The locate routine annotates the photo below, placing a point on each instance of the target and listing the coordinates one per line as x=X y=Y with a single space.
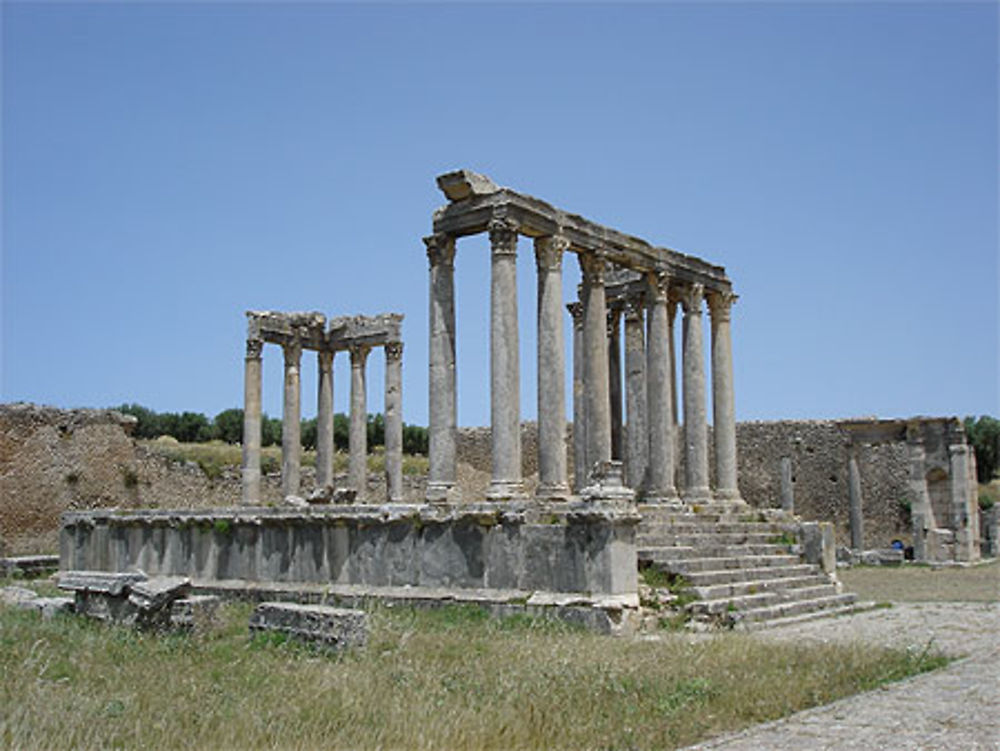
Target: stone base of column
x=697 y=495
x=606 y=483
x=665 y=500
x=552 y=493
x=443 y=493
x=505 y=490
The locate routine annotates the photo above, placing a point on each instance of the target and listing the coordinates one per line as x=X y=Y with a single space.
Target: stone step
x=722 y=563
x=791 y=620
x=747 y=575
x=739 y=589
x=697 y=539
x=702 y=528
x=761 y=599
x=710 y=550
x=818 y=605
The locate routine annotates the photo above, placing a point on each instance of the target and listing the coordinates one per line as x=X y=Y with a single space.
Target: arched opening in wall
x=939 y=490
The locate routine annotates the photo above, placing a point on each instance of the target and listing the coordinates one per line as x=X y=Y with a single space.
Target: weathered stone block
x=335 y=628
x=131 y=599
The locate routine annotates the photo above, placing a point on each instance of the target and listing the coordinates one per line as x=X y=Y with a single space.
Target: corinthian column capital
x=503 y=236
x=255 y=348
x=720 y=303
x=394 y=351
x=549 y=251
x=691 y=297
x=658 y=287
x=593 y=265
x=293 y=351
x=359 y=354
x=440 y=250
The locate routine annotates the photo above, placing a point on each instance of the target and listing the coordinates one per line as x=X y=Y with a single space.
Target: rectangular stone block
x=335 y=628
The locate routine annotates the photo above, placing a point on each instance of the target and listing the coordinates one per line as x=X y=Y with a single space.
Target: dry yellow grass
x=916 y=583
x=444 y=679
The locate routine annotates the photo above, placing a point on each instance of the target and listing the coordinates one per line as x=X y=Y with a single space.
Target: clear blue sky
x=168 y=166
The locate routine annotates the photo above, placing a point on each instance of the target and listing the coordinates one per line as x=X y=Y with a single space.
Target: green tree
x=148 y=422
x=190 y=426
x=270 y=431
x=984 y=435
x=229 y=425
x=307 y=433
x=341 y=432
x=376 y=430
x=414 y=439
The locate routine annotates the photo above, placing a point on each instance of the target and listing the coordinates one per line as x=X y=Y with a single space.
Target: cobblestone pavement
x=953 y=709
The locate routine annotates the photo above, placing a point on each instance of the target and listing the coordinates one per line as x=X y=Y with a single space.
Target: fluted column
x=394 y=421
x=324 y=420
x=636 y=433
x=579 y=401
x=551 y=369
x=723 y=410
x=442 y=403
x=291 y=425
x=615 y=379
x=660 y=418
x=357 y=463
x=595 y=345
x=695 y=425
x=505 y=377
x=251 y=421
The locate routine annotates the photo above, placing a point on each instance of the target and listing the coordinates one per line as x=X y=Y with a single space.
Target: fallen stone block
x=334 y=628
x=130 y=599
x=16 y=595
x=194 y=612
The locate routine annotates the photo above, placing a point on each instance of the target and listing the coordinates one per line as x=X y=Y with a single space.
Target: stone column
x=579 y=401
x=787 y=487
x=615 y=379
x=723 y=410
x=324 y=420
x=551 y=369
x=251 y=421
x=962 y=504
x=442 y=407
x=695 y=425
x=672 y=352
x=854 y=490
x=291 y=426
x=595 y=364
x=357 y=463
x=505 y=376
x=921 y=513
x=659 y=410
x=394 y=421
x=637 y=433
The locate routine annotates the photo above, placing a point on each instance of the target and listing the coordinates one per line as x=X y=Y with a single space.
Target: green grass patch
x=439 y=678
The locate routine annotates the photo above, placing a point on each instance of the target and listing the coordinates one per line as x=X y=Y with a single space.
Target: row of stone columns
x=291 y=445
x=651 y=397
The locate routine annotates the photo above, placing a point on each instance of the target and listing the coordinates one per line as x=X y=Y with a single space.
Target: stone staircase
x=735 y=567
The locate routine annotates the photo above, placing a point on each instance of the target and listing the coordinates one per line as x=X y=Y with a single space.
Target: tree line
x=227 y=426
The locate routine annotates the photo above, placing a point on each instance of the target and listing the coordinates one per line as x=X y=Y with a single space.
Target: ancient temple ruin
x=621 y=274
x=294 y=332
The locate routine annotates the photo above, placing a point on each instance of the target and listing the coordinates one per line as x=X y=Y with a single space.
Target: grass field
x=916 y=583
x=435 y=679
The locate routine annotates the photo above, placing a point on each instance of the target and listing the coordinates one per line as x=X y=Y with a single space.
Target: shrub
x=984 y=435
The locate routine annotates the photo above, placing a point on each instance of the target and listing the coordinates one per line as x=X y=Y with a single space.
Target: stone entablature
x=608 y=260
x=294 y=332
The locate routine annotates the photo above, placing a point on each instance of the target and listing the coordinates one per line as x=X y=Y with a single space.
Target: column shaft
x=660 y=419
x=787 y=487
x=636 y=432
x=324 y=420
x=595 y=340
x=442 y=406
x=252 y=422
x=615 y=380
x=854 y=491
x=394 y=421
x=357 y=464
x=291 y=426
x=505 y=378
x=921 y=514
x=723 y=409
x=579 y=401
x=551 y=369
x=695 y=425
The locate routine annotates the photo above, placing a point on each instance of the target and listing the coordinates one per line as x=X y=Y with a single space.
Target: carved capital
x=254 y=348
x=549 y=252
x=503 y=236
x=658 y=287
x=634 y=305
x=359 y=354
x=293 y=352
x=394 y=351
x=440 y=250
x=614 y=317
x=720 y=304
x=691 y=297
x=576 y=310
x=325 y=358
x=593 y=265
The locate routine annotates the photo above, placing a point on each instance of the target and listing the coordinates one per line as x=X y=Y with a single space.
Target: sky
x=168 y=166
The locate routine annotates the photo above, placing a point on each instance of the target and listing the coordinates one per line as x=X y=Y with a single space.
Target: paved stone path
x=953 y=709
